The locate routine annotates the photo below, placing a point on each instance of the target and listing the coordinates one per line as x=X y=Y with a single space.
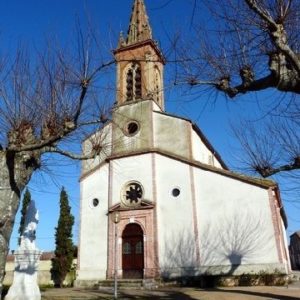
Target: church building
x=161 y=202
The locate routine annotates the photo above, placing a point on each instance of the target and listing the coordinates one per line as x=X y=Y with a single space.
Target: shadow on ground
x=122 y=295
x=255 y=293
x=261 y=294
x=145 y=295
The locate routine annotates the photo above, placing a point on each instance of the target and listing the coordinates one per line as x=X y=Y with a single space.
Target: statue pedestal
x=25 y=285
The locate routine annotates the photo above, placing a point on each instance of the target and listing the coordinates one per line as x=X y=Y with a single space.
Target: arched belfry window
x=138 y=83
x=129 y=85
x=157 y=85
x=133 y=82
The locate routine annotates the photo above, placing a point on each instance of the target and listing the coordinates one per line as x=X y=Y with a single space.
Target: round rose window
x=132 y=194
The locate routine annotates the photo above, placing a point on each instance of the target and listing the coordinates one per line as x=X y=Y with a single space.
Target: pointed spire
x=139 y=27
x=121 y=42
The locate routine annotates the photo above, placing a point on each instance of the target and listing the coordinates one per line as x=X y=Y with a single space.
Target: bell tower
x=140 y=63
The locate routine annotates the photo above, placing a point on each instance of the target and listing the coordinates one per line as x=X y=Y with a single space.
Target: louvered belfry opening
x=129 y=85
x=134 y=83
x=138 y=83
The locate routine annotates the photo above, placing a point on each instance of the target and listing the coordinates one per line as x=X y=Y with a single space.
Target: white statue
x=27 y=257
x=30 y=225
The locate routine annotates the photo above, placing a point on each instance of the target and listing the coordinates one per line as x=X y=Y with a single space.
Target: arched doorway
x=133 y=251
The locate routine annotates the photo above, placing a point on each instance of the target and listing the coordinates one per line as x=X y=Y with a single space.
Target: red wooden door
x=133 y=251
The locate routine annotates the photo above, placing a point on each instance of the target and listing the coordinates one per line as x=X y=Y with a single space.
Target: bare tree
x=249 y=46
x=46 y=102
x=273 y=147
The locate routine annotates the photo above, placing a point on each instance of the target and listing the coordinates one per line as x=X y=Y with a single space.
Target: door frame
x=145 y=219
x=133 y=263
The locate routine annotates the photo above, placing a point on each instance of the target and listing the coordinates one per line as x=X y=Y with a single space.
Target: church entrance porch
x=133 y=251
x=137 y=255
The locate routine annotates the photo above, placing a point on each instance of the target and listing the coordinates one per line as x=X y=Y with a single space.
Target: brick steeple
x=139 y=28
x=139 y=61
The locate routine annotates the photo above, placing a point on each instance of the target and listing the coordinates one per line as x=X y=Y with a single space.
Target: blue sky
x=31 y=20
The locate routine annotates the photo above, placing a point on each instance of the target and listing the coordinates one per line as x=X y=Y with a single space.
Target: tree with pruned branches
x=47 y=101
x=251 y=46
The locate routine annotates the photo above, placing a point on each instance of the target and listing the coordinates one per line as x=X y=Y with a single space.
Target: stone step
x=295 y=279
x=122 y=283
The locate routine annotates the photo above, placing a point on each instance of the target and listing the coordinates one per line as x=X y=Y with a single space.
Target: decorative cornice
x=145 y=204
x=152 y=43
x=264 y=183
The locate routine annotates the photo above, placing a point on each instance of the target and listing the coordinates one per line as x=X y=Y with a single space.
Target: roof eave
x=140 y=44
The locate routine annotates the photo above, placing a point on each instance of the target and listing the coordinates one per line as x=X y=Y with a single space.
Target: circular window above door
x=132 y=194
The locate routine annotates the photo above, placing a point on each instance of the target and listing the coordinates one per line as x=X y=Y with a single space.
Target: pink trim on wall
x=151 y=125
x=274 y=210
x=109 y=223
x=280 y=206
x=110 y=183
x=109 y=198
x=79 y=239
x=278 y=217
x=195 y=216
x=284 y=249
x=189 y=129
x=194 y=204
x=155 y=222
x=113 y=128
x=110 y=250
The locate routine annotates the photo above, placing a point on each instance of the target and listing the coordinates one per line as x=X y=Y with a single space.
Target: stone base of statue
x=25 y=285
x=27 y=259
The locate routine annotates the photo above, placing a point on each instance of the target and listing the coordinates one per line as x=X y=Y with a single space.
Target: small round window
x=175 y=192
x=95 y=202
x=132 y=128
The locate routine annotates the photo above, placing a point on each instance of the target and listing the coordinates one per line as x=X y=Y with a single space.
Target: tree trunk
x=9 y=203
x=14 y=175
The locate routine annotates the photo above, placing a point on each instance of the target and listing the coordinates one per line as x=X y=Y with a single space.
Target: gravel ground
x=291 y=292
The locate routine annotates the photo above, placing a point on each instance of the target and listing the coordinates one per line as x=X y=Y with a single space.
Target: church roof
x=261 y=182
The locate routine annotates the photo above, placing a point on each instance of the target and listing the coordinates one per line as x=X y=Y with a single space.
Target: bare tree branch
x=91 y=155
x=47 y=99
x=271 y=149
x=252 y=46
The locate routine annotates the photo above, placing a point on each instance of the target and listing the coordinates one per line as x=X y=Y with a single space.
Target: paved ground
x=291 y=292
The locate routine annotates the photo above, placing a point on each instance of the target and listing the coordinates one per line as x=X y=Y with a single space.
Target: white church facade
x=180 y=211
